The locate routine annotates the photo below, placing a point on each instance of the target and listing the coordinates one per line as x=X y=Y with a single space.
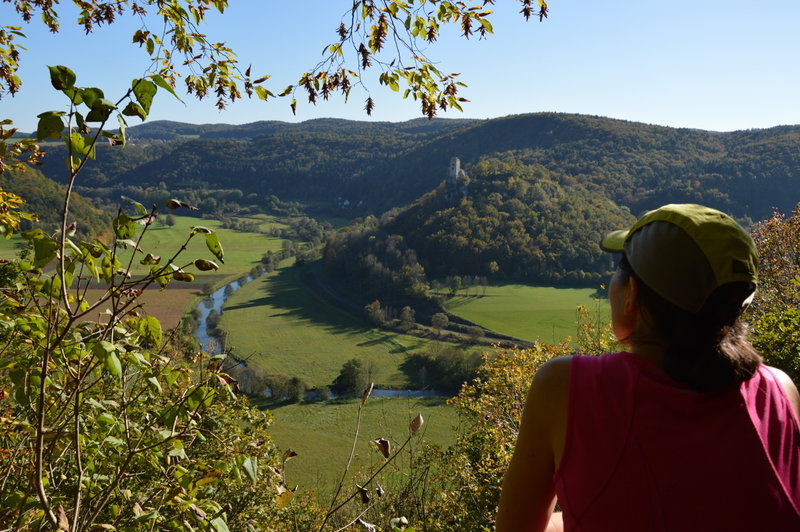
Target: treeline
x=359 y=168
x=317 y=160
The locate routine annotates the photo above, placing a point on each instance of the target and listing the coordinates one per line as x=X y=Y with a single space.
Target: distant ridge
x=381 y=165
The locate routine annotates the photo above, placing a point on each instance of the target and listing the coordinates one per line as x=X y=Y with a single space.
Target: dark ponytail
x=708 y=350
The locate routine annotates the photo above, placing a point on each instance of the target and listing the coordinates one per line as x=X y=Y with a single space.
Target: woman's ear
x=631 y=303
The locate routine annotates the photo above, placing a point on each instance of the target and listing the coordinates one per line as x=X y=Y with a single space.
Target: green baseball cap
x=683 y=252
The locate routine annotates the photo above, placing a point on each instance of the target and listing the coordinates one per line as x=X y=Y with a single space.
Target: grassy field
x=322 y=434
x=527 y=312
x=242 y=250
x=8 y=248
x=168 y=305
x=282 y=326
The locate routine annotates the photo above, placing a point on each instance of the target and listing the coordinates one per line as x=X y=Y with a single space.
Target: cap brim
x=614 y=241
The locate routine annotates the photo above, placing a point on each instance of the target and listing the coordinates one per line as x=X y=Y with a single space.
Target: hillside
x=373 y=167
x=504 y=221
x=46 y=199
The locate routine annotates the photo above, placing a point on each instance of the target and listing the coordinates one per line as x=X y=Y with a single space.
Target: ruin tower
x=457 y=182
x=455 y=170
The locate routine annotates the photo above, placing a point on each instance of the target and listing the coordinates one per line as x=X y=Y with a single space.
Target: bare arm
x=790 y=389
x=528 y=496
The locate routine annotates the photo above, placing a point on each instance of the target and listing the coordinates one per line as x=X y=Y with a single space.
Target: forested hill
x=640 y=166
x=45 y=198
x=384 y=165
x=506 y=220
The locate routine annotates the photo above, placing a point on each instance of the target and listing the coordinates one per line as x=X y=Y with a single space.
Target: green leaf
x=61 y=77
x=145 y=91
x=139 y=207
x=50 y=126
x=44 y=251
x=113 y=365
x=124 y=227
x=155 y=383
x=201 y=229
x=134 y=109
x=91 y=95
x=250 y=466
x=220 y=525
x=105 y=419
x=122 y=127
x=74 y=95
x=101 y=110
x=162 y=277
x=150 y=329
x=212 y=241
x=80 y=145
x=107 y=353
x=262 y=93
x=164 y=84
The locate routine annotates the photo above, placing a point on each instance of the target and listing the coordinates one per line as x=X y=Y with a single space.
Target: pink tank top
x=643 y=453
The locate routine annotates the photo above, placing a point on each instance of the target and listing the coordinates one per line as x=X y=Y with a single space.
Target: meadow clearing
x=322 y=435
x=282 y=325
x=526 y=312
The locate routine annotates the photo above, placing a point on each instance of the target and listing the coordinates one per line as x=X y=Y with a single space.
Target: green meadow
x=266 y=222
x=9 y=247
x=322 y=435
x=282 y=325
x=527 y=312
x=242 y=250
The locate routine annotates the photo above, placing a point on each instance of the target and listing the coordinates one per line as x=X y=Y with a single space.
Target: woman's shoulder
x=789 y=387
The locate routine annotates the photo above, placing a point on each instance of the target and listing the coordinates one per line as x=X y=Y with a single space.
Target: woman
x=688 y=430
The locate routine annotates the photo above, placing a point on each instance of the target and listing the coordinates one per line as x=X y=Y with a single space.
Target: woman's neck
x=651 y=351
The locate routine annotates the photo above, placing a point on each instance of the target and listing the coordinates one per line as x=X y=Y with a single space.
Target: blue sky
x=709 y=64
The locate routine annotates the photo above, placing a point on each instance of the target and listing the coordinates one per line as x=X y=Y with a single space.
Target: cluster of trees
x=516 y=222
x=374 y=263
x=774 y=315
x=441 y=367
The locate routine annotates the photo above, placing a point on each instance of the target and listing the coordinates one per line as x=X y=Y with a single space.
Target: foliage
x=776 y=335
x=468 y=475
x=46 y=198
x=352 y=379
x=102 y=424
x=439 y=321
x=442 y=368
x=595 y=335
x=11 y=217
x=169 y=34
x=774 y=315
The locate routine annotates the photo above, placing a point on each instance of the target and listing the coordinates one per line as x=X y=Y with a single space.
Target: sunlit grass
x=322 y=435
x=526 y=312
x=282 y=325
